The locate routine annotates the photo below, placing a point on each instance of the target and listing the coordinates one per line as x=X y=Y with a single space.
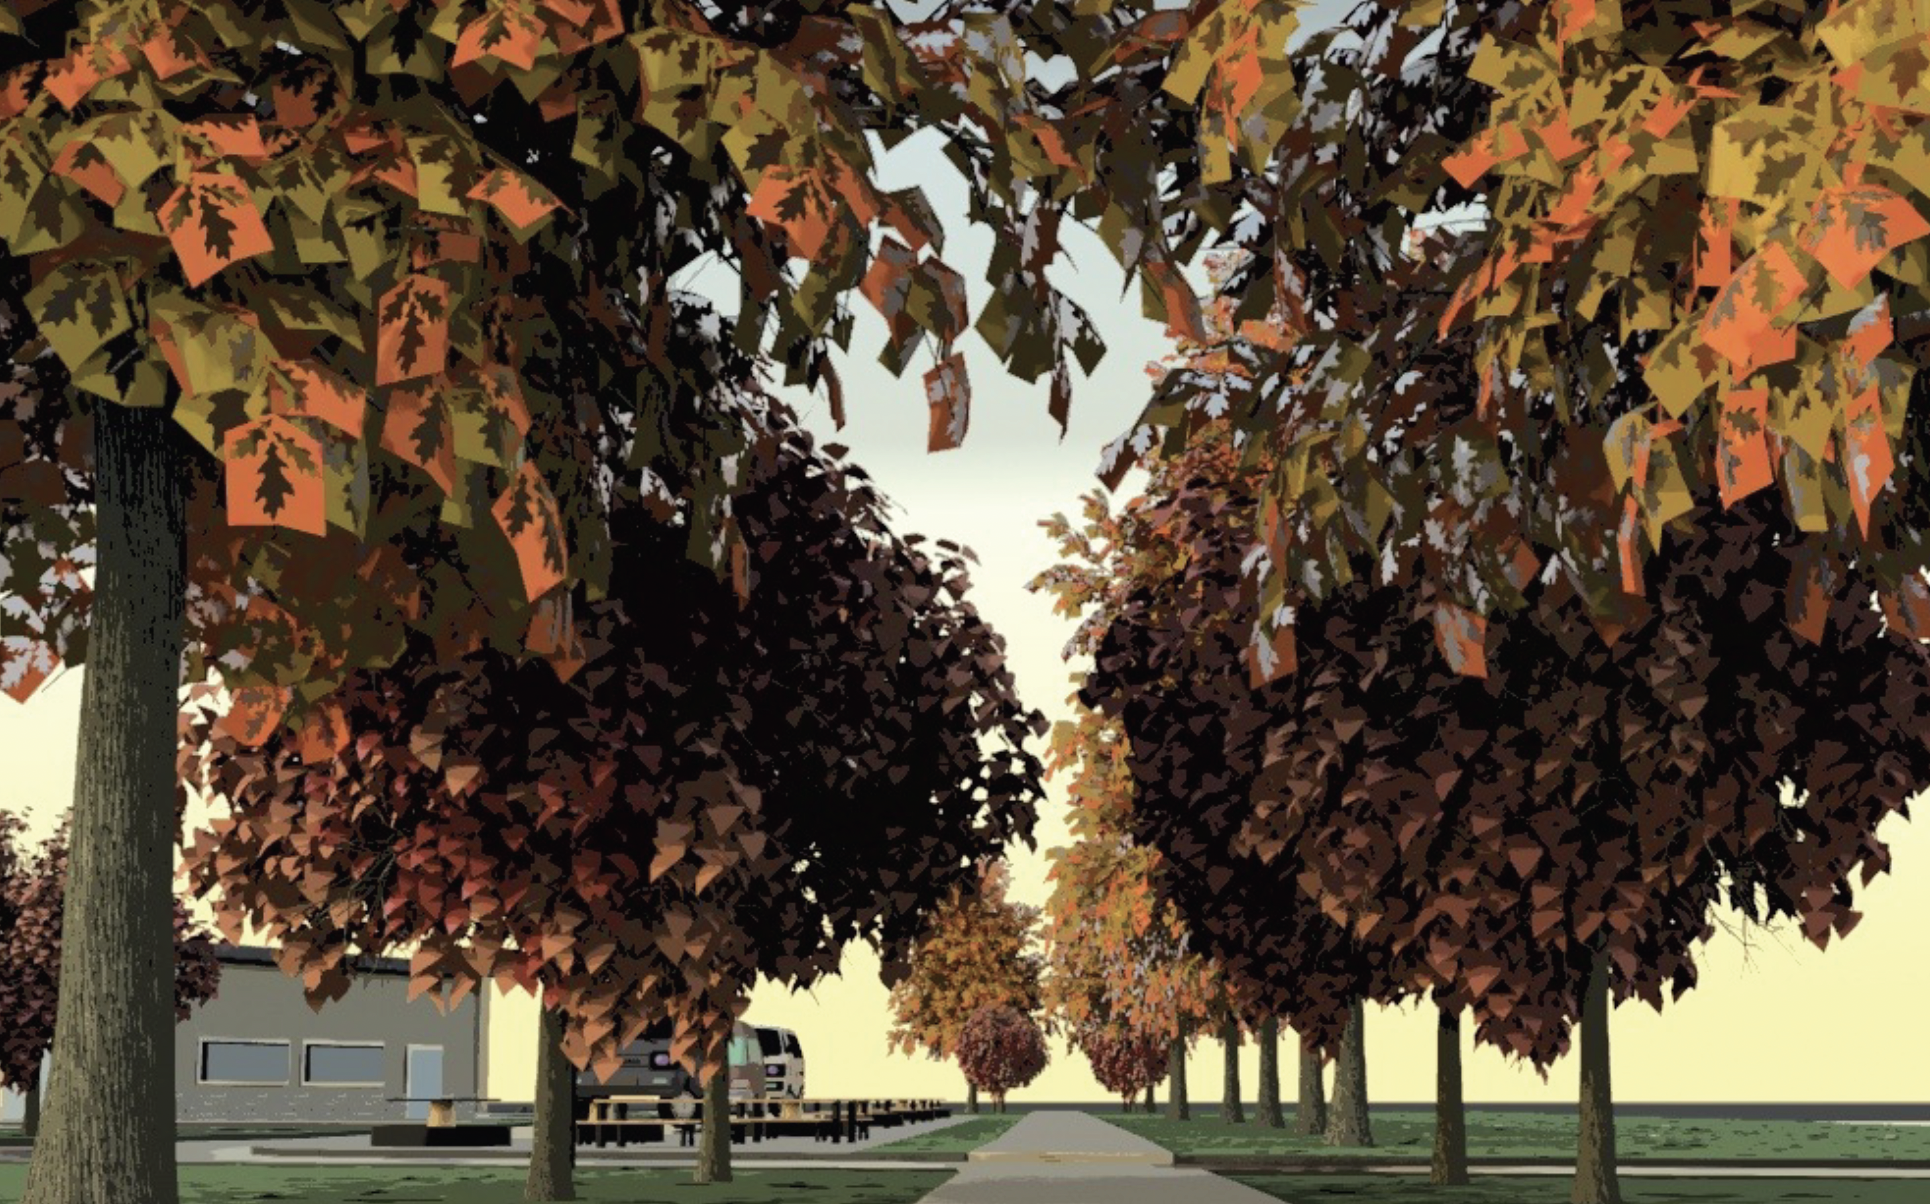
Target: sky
x=1774 y=1019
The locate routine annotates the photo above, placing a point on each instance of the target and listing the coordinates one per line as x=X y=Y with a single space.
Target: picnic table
x=440 y=1129
x=442 y=1108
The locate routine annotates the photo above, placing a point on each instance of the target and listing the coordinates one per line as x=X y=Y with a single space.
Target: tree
x=277 y=232
x=1447 y=803
x=1268 y=1109
x=975 y=953
x=661 y=829
x=1001 y=1049
x=1124 y=1064
x=32 y=914
x=1116 y=958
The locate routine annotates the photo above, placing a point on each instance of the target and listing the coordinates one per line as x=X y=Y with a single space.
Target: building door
x=422 y=1080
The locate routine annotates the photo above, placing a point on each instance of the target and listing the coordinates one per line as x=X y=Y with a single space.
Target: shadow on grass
x=1554 y=1189
x=234 y=1184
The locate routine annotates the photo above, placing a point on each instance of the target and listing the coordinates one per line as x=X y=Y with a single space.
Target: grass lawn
x=492 y=1185
x=961 y=1138
x=1553 y=1189
x=1404 y=1135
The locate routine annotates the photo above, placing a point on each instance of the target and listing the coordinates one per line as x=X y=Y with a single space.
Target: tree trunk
x=1230 y=1110
x=971 y=1097
x=553 y=1138
x=713 y=1138
x=1176 y=1108
x=1347 y=1120
x=1269 y=1111
x=30 y=1114
x=109 y=1125
x=1450 y=1114
x=1595 y=1179
x=1149 y=1099
x=1311 y=1119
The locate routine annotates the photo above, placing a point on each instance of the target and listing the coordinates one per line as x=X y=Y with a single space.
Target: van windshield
x=770 y=1042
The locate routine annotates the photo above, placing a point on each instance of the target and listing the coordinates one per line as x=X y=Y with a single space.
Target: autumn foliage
x=721 y=790
x=1126 y=1064
x=32 y=904
x=1000 y=1050
x=974 y=952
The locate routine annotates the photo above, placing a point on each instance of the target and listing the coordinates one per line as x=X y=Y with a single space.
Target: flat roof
x=261 y=955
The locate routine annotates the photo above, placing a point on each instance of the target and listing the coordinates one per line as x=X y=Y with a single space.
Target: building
x=258 y=1054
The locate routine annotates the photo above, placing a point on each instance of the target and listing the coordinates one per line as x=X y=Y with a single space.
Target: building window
x=244 y=1063
x=327 y=1064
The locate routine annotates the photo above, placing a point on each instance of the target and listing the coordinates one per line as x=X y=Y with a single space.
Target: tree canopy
x=974 y=952
x=33 y=900
x=696 y=806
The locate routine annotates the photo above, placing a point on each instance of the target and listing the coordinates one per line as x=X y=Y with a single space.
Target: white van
x=783 y=1060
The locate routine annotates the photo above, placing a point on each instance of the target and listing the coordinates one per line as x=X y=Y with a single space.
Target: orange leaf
x=1762 y=287
x=236 y=137
x=82 y=162
x=325 y=732
x=1461 y=636
x=166 y=54
x=412 y=331
x=1667 y=114
x=1715 y=251
x=300 y=388
x=1851 y=229
x=528 y=515
x=1871 y=331
x=1468 y=166
x=1868 y=461
x=793 y=201
x=212 y=222
x=949 y=390
x=1625 y=534
x=255 y=713
x=72 y=78
x=1742 y=451
x=274 y=476
x=509 y=34
x=416 y=428
x=523 y=202
x=1559 y=140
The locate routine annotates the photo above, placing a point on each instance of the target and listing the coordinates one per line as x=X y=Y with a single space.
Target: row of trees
x=1521 y=821
x=287 y=301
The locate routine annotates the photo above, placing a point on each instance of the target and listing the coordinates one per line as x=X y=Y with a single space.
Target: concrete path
x=1073 y=1158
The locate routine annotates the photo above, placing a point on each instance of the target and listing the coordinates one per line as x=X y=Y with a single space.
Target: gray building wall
x=256 y=1001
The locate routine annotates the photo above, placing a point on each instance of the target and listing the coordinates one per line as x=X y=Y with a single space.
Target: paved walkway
x=1073 y=1158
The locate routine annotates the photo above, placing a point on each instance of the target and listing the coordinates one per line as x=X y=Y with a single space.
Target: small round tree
x=1001 y=1049
x=1126 y=1063
x=33 y=898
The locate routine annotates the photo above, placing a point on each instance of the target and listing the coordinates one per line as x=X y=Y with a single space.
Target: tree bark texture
x=1311 y=1118
x=1230 y=1110
x=108 y=1132
x=1347 y=1122
x=1450 y=1113
x=1595 y=1177
x=971 y=1097
x=1269 y=1107
x=552 y=1144
x=713 y=1139
x=1176 y=1106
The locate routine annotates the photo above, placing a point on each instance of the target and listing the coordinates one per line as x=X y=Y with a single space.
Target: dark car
x=649 y=1070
